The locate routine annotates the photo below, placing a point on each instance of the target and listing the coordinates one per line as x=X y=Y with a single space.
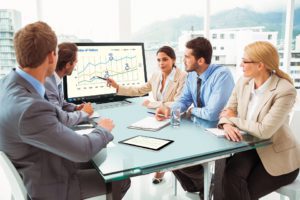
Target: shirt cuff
x=196 y=112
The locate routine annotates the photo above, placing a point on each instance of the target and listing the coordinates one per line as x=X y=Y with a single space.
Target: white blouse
x=255 y=98
x=161 y=95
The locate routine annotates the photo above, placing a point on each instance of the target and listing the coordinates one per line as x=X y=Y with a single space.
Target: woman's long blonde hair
x=266 y=53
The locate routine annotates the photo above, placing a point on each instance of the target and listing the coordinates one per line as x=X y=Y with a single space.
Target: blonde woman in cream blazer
x=260 y=105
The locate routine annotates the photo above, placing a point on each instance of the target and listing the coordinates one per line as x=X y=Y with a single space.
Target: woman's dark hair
x=169 y=51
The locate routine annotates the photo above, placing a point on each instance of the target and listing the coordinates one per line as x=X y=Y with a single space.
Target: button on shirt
x=216 y=88
x=256 y=97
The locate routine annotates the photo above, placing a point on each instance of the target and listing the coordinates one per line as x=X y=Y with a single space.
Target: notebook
x=149 y=124
x=220 y=132
x=88 y=131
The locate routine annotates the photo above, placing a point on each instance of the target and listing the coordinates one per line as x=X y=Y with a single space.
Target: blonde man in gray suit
x=71 y=114
x=260 y=105
x=45 y=151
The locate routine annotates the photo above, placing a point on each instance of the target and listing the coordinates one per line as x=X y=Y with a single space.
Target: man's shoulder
x=217 y=69
x=50 y=79
x=20 y=96
x=50 y=82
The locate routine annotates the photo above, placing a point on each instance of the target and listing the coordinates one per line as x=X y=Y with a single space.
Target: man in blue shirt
x=208 y=87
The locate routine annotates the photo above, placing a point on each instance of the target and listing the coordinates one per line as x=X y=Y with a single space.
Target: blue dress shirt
x=216 y=88
x=38 y=86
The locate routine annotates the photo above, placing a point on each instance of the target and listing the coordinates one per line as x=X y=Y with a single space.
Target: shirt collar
x=38 y=86
x=263 y=87
x=58 y=80
x=171 y=76
x=204 y=76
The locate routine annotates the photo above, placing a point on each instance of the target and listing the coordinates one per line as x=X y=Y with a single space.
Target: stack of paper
x=84 y=131
x=149 y=124
x=220 y=132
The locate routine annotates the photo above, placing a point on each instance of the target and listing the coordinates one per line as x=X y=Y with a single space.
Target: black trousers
x=245 y=178
x=192 y=179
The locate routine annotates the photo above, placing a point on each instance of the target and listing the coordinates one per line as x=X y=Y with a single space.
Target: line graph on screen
x=124 y=64
x=121 y=69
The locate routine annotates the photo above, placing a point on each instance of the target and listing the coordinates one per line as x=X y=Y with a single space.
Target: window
x=167 y=22
x=235 y=21
x=173 y=23
x=295 y=55
x=269 y=37
x=295 y=63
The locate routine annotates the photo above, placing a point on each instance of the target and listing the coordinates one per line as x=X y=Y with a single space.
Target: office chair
x=292 y=190
x=18 y=189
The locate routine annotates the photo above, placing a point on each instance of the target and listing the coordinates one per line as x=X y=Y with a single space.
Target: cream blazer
x=172 y=94
x=272 y=121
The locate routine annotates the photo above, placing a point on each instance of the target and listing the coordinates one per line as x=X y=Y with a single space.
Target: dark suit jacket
x=43 y=150
x=69 y=116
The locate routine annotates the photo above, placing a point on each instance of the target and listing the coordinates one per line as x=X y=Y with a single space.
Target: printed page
x=87 y=131
x=84 y=131
x=149 y=123
x=220 y=132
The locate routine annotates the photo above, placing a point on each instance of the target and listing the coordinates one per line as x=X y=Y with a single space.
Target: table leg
x=109 y=191
x=207 y=177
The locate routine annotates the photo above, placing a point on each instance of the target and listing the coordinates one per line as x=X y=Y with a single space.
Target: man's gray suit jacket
x=43 y=150
x=70 y=116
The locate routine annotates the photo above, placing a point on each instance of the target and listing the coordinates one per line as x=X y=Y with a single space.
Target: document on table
x=95 y=115
x=147 y=142
x=89 y=130
x=220 y=132
x=149 y=124
x=84 y=131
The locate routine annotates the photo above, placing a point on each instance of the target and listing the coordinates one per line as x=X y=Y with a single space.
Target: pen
x=161 y=115
x=153 y=113
x=100 y=78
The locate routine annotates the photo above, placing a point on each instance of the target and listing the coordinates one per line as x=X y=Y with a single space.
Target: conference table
x=192 y=145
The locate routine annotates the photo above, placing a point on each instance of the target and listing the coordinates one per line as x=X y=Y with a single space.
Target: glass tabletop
x=191 y=143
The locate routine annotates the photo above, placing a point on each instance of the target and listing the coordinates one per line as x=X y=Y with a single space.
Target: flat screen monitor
x=123 y=62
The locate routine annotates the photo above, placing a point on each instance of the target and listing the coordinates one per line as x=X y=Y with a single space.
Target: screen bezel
x=104 y=97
